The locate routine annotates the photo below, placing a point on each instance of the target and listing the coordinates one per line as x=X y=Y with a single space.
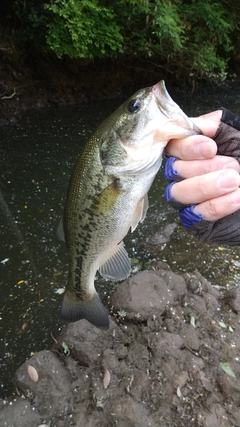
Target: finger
x=217 y=208
x=208 y=123
x=189 y=169
x=194 y=147
x=202 y=188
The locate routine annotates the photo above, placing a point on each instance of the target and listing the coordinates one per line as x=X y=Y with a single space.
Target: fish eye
x=134 y=105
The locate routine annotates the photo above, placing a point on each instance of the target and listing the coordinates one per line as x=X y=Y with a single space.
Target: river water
x=36 y=156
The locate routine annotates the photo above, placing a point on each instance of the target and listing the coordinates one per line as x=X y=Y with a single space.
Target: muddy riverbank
x=170 y=358
x=35 y=81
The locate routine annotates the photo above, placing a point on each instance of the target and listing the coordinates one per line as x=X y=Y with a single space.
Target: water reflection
x=37 y=157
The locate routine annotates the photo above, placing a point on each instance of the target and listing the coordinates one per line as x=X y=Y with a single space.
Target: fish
x=108 y=195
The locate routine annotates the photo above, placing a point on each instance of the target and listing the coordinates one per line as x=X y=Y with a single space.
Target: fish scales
x=107 y=194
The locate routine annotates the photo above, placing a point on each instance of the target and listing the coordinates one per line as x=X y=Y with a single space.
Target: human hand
x=210 y=182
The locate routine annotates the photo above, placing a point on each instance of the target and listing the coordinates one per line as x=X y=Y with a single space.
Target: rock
x=19 y=413
x=229 y=386
x=234 y=302
x=198 y=284
x=189 y=337
x=215 y=416
x=139 y=356
x=52 y=386
x=181 y=380
x=128 y=413
x=142 y=296
x=86 y=342
x=163 y=235
x=174 y=282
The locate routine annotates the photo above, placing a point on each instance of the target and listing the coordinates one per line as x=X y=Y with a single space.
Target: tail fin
x=92 y=310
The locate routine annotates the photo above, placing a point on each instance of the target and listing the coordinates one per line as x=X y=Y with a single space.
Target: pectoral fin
x=118 y=266
x=60 y=231
x=74 y=309
x=140 y=212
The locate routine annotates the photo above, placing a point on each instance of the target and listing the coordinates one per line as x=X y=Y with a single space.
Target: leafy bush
x=194 y=35
x=83 y=29
x=189 y=37
x=208 y=37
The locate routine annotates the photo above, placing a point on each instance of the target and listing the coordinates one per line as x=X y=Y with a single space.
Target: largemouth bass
x=107 y=194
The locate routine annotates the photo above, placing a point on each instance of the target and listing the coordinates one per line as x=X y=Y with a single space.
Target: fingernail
x=228 y=180
x=206 y=149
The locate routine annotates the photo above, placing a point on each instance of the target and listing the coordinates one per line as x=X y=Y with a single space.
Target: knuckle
x=213 y=209
x=203 y=188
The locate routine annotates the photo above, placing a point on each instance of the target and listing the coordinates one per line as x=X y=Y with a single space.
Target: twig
x=10 y=96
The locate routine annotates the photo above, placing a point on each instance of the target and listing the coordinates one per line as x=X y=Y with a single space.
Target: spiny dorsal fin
x=118 y=266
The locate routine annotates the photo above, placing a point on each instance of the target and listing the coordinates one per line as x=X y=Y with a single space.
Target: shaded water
x=36 y=158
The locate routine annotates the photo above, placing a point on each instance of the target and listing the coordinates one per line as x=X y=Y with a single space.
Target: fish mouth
x=165 y=102
x=160 y=89
x=195 y=128
x=169 y=108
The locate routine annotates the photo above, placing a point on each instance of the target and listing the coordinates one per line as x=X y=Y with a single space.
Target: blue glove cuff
x=170 y=199
x=169 y=172
x=189 y=218
x=167 y=192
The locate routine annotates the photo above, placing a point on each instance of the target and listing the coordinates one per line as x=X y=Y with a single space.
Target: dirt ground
x=170 y=358
x=35 y=81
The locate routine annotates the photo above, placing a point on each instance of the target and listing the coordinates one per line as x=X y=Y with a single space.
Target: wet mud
x=170 y=358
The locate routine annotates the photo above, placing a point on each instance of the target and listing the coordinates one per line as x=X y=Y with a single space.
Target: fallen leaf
x=106 y=378
x=4 y=260
x=20 y=282
x=222 y=325
x=24 y=326
x=33 y=374
x=179 y=393
x=134 y=261
x=59 y=291
x=226 y=368
x=192 y=321
x=66 y=350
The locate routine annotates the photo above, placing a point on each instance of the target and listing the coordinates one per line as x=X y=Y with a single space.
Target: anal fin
x=118 y=266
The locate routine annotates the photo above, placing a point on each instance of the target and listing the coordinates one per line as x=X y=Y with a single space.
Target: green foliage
x=209 y=27
x=84 y=29
x=196 y=38
x=29 y=19
x=168 y=25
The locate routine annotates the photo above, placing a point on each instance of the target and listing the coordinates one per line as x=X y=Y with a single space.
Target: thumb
x=208 y=123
